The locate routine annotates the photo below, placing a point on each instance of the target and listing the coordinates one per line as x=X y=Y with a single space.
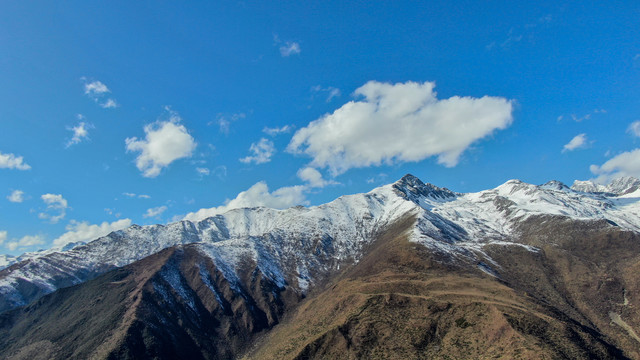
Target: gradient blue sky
x=193 y=87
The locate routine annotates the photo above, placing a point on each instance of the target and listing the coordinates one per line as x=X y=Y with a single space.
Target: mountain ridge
x=524 y=237
x=489 y=215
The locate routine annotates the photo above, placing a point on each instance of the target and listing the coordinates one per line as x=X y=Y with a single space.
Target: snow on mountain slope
x=468 y=222
x=306 y=240
x=619 y=186
x=296 y=246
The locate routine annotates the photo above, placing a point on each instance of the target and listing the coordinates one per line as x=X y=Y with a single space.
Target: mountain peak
x=409 y=179
x=555 y=185
x=624 y=185
x=411 y=188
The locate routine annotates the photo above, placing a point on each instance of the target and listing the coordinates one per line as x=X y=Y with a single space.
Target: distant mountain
x=619 y=186
x=409 y=268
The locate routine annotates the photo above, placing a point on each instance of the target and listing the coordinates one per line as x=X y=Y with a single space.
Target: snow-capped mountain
x=298 y=246
x=516 y=271
x=619 y=186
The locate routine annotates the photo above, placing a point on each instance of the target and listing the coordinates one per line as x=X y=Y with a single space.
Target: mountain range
x=407 y=270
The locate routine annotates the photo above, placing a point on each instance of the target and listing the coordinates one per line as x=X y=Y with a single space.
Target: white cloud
x=262 y=151
x=10 y=161
x=95 y=88
x=83 y=231
x=203 y=171
x=29 y=240
x=16 y=196
x=165 y=142
x=290 y=48
x=578 y=142
x=399 y=123
x=277 y=131
x=80 y=132
x=97 y=91
x=155 y=212
x=625 y=164
x=256 y=195
x=3 y=236
x=634 y=128
x=109 y=104
x=56 y=208
x=314 y=178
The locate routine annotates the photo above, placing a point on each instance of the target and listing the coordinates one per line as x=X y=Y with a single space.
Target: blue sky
x=123 y=112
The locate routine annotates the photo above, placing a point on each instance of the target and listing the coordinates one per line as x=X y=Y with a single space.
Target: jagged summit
x=555 y=185
x=619 y=186
x=624 y=185
x=410 y=188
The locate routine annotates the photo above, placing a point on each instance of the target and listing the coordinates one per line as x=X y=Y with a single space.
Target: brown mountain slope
x=162 y=307
x=403 y=302
x=588 y=270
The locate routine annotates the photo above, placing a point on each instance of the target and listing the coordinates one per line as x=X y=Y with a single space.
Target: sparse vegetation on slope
x=401 y=302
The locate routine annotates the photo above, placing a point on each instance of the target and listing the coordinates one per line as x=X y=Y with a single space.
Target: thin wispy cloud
x=290 y=48
x=520 y=33
x=287 y=48
x=634 y=128
x=109 y=104
x=98 y=92
x=581 y=118
x=203 y=171
x=224 y=121
x=134 y=195
x=379 y=178
x=220 y=172
x=277 y=130
x=330 y=92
